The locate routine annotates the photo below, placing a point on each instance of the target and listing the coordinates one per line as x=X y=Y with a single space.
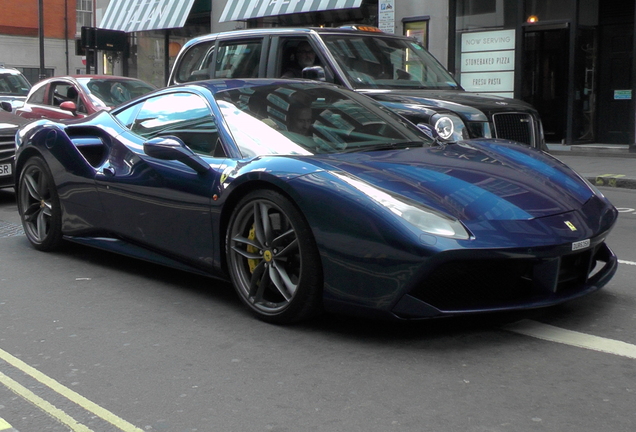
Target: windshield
x=109 y=92
x=302 y=118
x=388 y=63
x=13 y=84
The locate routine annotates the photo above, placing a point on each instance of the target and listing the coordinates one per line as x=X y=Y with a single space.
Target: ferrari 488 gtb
x=310 y=197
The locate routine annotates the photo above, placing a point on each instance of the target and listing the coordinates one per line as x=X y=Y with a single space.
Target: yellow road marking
x=40 y=403
x=4 y=425
x=69 y=394
x=568 y=337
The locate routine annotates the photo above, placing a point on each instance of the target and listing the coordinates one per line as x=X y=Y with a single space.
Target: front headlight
x=420 y=217
x=449 y=127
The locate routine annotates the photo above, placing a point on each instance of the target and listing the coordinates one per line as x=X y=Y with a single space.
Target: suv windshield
x=388 y=63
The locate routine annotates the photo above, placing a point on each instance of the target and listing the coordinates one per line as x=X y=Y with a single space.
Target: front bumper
x=491 y=284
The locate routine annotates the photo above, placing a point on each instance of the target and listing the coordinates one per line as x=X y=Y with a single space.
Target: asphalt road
x=91 y=341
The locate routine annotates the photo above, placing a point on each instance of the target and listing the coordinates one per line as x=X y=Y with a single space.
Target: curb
x=613 y=180
x=594 y=152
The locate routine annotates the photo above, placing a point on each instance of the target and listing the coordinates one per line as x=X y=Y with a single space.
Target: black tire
x=273 y=259
x=39 y=205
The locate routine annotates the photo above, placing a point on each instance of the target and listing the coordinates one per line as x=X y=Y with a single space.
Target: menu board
x=488 y=62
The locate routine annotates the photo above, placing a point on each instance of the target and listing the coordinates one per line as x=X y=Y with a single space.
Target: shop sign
x=488 y=62
x=498 y=82
x=622 y=94
x=488 y=41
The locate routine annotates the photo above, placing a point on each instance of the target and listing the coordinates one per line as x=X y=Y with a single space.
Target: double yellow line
x=49 y=408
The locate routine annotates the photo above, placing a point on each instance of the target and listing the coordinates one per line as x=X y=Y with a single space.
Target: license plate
x=5 y=170
x=580 y=244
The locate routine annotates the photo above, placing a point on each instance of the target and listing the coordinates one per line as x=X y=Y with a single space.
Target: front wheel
x=273 y=259
x=39 y=205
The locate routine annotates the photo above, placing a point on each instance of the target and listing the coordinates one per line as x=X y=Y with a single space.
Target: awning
x=141 y=15
x=238 y=10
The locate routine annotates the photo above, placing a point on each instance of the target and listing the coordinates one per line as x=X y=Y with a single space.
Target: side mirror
x=7 y=106
x=69 y=106
x=316 y=73
x=172 y=148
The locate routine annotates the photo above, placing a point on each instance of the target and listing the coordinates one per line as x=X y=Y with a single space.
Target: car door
x=48 y=106
x=164 y=204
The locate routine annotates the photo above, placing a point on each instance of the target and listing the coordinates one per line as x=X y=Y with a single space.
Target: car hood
x=471 y=106
x=472 y=181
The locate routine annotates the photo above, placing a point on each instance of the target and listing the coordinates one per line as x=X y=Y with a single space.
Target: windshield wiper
x=383 y=146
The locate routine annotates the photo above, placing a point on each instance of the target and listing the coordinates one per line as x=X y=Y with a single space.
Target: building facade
x=572 y=60
x=20 y=37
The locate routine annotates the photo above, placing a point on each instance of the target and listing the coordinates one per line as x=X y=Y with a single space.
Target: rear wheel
x=39 y=205
x=273 y=259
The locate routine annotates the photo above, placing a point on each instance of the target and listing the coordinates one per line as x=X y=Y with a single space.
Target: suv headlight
x=449 y=127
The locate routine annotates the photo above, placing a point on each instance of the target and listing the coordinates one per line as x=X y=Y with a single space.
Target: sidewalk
x=602 y=164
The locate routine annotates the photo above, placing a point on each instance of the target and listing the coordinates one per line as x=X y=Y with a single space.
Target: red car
x=77 y=96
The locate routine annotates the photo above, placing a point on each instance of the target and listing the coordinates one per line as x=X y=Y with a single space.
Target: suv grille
x=7 y=144
x=514 y=126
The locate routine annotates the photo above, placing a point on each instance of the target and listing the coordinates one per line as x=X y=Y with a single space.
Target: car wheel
x=273 y=259
x=39 y=205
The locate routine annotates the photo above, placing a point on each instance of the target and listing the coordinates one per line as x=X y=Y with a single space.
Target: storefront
x=572 y=60
x=157 y=31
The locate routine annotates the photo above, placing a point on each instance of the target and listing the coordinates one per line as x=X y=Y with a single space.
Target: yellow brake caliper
x=252 y=249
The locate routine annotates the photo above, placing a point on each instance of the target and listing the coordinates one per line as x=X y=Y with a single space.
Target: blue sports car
x=309 y=197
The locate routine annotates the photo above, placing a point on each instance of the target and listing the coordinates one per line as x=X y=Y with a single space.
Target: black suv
x=395 y=70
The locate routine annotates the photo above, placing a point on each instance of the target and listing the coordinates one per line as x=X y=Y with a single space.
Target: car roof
x=292 y=30
x=10 y=70
x=102 y=77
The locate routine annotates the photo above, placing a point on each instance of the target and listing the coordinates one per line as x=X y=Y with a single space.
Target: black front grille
x=514 y=126
x=7 y=146
x=465 y=285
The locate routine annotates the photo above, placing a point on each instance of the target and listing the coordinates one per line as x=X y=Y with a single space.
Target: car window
x=195 y=63
x=295 y=54
x=112 y=91
x=61 y=91
x=238 y=59
x=37 y=97
x=184 y=115
x=302 y=120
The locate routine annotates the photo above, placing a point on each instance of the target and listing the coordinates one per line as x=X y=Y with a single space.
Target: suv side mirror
x=316 y=73
x=7 y=106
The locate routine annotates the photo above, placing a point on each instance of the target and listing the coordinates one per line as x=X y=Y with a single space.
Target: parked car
x=14 y=88
x=9 y=124
x=70 y=97
x=395 y=70
x=357 y=211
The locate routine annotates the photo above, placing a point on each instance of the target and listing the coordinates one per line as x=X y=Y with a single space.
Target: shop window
x=418 y=29
x=482 y=14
